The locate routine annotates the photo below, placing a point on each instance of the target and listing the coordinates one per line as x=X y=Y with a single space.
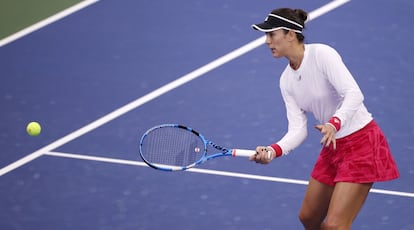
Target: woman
x=355 y=152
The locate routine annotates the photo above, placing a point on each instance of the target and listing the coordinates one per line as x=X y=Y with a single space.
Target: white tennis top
x=323 y=86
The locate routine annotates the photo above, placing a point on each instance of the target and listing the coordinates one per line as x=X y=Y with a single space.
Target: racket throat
x=223 y=150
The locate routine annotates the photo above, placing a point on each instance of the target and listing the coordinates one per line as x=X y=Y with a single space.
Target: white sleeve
x=343 y=82
x=297 y=128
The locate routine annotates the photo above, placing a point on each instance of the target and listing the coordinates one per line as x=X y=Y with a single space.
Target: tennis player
x=355 y=153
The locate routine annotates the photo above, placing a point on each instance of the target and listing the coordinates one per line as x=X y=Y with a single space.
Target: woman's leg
x=340 y=204
x=347 y=200
x=315 y=204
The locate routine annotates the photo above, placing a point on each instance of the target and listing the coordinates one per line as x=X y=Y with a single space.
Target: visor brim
x=264 y=27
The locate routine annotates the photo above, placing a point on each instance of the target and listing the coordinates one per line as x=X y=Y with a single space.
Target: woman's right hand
x=264 y=155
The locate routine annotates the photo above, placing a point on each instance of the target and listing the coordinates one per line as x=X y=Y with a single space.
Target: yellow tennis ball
x=33 y=128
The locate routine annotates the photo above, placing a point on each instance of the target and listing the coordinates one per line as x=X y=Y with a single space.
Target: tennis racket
x=172 y=147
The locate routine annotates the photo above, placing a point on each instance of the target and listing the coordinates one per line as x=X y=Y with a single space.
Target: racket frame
x=204 y=157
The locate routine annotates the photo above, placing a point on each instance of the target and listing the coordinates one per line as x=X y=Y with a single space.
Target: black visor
x=275 y=22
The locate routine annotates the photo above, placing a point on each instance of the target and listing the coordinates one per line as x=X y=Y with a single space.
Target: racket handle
x=242 y=152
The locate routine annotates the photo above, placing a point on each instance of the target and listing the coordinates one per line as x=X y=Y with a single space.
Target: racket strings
x=172 y=146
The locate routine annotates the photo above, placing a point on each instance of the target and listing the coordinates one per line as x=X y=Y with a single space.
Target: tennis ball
x=33 y=128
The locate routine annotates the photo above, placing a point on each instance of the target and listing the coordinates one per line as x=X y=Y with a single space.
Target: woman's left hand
x=328 y=132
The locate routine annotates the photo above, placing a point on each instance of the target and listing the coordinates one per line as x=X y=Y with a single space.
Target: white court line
x=46 y=22
x=158 y=92
x=213 y=172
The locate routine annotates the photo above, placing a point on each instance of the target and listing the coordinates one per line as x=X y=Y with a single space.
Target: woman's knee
x=310 y=220
x=335 y=225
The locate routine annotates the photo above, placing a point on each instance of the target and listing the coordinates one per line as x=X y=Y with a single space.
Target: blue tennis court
x=99 y=77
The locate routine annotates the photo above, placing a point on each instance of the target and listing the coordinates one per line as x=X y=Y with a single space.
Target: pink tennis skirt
x=362 y=157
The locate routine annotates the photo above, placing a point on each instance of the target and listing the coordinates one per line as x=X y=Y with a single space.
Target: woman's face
x=278 y=43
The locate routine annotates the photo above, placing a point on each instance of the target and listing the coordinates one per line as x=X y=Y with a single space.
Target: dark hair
x=296 y=15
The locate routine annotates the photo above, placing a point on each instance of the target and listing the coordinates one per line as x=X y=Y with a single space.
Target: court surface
x=100 y=76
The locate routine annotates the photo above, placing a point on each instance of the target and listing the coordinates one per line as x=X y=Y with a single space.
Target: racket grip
x=242 y=152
